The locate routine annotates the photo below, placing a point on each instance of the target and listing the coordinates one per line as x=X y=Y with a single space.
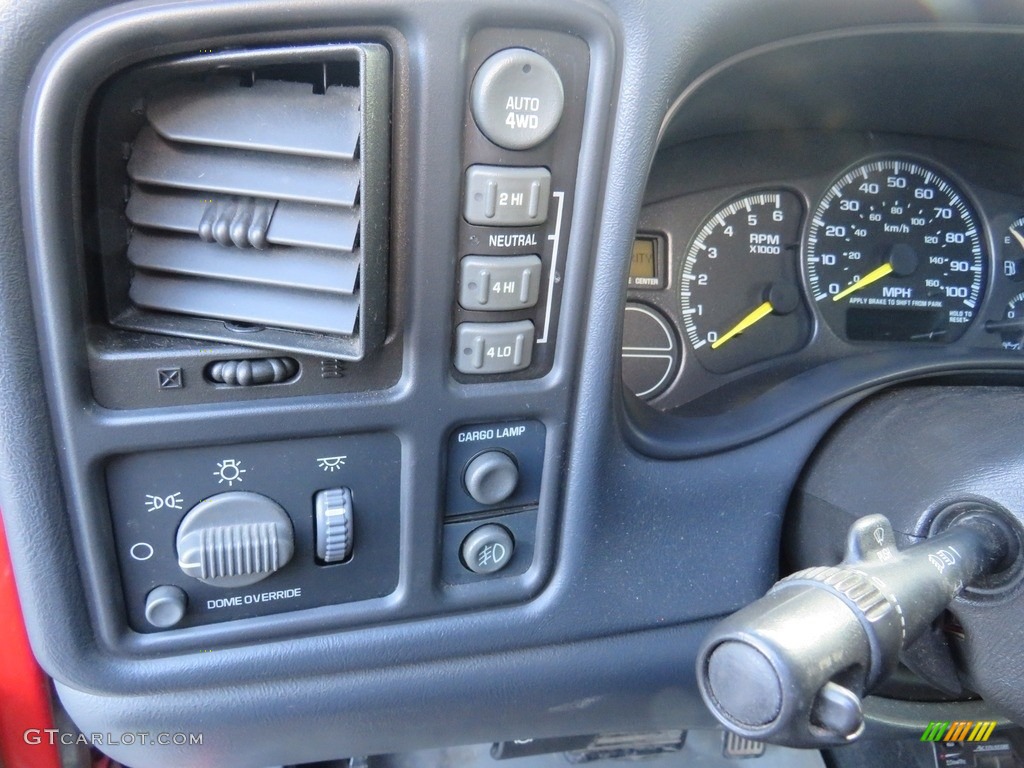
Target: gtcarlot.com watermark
x=56 y=737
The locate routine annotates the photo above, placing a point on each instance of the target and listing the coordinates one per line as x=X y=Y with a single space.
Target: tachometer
x=739 y=292
x=894 y=253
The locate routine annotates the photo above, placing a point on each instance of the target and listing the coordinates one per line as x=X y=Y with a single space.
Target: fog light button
x=487 y=549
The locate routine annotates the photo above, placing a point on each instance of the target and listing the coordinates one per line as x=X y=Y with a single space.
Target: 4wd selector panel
x=521 y=147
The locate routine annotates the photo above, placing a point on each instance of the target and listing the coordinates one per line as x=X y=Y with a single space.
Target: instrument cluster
x=868 y=244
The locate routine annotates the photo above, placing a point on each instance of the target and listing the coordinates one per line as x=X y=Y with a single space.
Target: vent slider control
x=255 y=372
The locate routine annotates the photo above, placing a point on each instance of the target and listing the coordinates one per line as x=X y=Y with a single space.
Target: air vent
x=258 y=201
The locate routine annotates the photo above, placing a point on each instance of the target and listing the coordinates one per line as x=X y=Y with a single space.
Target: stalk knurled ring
x=853 y=585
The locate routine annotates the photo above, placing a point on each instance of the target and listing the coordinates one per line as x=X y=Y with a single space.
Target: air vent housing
x=257 y=200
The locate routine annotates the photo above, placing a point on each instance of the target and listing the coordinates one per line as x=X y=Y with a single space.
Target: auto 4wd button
x=517 y=98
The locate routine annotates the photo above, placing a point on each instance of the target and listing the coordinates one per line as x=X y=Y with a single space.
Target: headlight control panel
x=211 y=534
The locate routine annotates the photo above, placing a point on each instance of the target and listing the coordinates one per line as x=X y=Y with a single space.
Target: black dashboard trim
x=670 y=437
x=99 y=653
x=665 y=133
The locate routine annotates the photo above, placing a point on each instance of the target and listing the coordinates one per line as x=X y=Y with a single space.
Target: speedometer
x=894 y=253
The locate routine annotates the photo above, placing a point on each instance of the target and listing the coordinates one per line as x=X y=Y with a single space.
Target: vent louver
x=258 y=201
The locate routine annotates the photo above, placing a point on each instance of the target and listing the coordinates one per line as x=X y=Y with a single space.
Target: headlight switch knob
x=234 y=539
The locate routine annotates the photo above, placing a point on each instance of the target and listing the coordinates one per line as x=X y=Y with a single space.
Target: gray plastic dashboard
x=647 y=525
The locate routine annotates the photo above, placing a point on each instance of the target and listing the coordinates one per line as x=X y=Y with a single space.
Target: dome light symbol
x=331 y=463
x=229 y=471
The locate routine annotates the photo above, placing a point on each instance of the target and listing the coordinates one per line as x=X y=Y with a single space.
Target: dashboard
x=386 y=376
x=837 y=245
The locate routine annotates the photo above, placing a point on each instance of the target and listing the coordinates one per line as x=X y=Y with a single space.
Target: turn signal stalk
x=791 y=668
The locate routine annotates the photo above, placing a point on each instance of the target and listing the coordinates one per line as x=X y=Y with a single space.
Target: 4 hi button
x=517 y=98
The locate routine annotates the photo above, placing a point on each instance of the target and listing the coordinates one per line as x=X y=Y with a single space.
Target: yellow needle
x=1018 y=236
x=758 y=314
x=864 y=282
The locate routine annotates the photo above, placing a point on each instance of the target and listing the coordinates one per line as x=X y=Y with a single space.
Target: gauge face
x=650 y=353
x=1011 y=328
x=740 y=294
x=1013 y=251
x=894 y=253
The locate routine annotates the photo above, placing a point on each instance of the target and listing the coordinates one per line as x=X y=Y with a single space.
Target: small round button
x=491 y=477
x=517 y=98
x=165 y=606
x=488 y=549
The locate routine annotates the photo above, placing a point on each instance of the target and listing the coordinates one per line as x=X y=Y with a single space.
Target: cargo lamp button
x=491 y=477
